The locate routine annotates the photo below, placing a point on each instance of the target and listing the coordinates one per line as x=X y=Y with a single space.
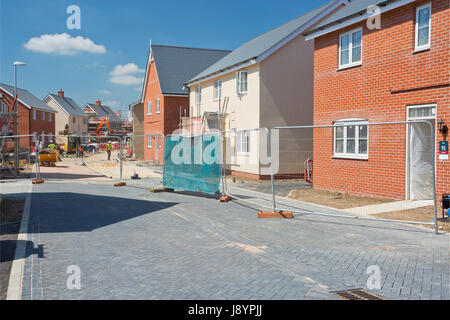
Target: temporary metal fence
x=69 y=145
x=143 y=155
x=355 y=157
x=26 y=155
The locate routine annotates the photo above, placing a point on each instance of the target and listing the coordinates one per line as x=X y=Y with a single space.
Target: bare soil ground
x=10 y=217
x=334 y=199
x=419 y=214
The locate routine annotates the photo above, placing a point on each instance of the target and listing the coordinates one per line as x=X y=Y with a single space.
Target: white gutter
x=222 y=72
x=354 y=20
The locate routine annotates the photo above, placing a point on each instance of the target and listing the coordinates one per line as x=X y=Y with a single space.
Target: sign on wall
x=443 y=150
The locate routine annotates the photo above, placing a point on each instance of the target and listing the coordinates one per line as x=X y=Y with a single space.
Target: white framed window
x=149 y=142
x=158 y=106
x=350 y=48
x=351 y=139
x=43 y=115
x=73 y=119
x=84 y=120
x=34 y=115
x=422 y=112
x=198 y=95
x=149 y=108
x=241 y=82
x=243 y=142
x=218 y=90
x=423 y=27
x=50 y=117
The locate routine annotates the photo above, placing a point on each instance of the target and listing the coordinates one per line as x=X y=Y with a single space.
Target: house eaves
x=354 y=12
x=264 y=45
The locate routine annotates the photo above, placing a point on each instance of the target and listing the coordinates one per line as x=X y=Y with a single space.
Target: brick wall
x=167 y=121
x=27 y=125
x=392 y=76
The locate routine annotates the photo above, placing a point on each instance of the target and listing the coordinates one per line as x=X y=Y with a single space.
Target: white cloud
x=126 y=80
x=130 y=68
x=126 y=74
x=104 y=91
x=63 y=44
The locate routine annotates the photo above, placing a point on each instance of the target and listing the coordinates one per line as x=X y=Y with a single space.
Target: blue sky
x=116 y=36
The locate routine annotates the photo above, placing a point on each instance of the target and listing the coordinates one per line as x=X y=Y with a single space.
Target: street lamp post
x=16 y=116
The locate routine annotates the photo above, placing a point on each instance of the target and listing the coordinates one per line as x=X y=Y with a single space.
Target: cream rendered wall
x=62 y=118
x=287 y=90
x=280 y=93
x=242 y=112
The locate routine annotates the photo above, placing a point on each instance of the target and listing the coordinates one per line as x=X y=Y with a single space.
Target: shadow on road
x=69 y=176
x=7 y=249
x=74 y=212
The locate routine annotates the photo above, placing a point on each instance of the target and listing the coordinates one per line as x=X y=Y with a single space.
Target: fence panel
x=143 y=156
x=193 y=163
x=371 y=171
x=71 y=157
x=17 y=157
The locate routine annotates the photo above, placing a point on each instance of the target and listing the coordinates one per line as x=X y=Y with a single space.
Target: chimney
x=98 y=103
x=61 y=93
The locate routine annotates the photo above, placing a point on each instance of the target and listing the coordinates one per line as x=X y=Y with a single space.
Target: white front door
x=420 y=152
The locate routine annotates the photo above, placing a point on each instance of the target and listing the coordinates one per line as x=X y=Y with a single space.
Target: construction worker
x=52 y=145
x=108 y=150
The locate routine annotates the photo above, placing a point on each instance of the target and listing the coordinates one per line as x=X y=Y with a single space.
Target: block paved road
x=130 y=244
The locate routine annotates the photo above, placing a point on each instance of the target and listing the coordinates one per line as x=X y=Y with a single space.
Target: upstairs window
x=84 y=120
x=158 y=103
x=34 y=115
x=241 y=82
x=350 y=48
x=73 y=119
x=218 y=90
x=43 y=115
x=50 y=117
x=351 y=139
x=423 y=27
x=198 y=95
x=149 y=108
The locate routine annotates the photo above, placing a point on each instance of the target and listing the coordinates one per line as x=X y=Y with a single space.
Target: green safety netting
x=192 y=163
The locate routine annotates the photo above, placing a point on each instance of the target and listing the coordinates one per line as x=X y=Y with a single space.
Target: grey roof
x=353 y=8
x=26 y=98
x=134 y=104
x=104 y=112
x=68 y=105
x=176 y=65
x=257 y=46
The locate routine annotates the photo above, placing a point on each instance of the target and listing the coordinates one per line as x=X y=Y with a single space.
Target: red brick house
x=397 y=73
x=35 y=117
x=164 y=97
